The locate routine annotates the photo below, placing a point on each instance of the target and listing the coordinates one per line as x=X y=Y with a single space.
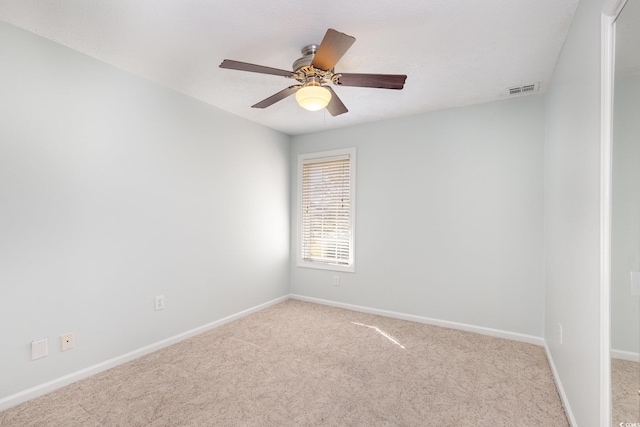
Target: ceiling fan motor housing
x=308 y=52
x=306 y=73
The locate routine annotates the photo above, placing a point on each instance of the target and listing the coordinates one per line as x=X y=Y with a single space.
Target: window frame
x=320 y=157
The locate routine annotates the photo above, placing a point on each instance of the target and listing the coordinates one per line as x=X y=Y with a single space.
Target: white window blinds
x=326 y=220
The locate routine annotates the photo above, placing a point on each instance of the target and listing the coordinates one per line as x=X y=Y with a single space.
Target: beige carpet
x=625 y=382
x=302 y=364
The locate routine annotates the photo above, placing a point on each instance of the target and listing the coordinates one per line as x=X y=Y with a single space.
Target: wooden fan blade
x=277 y=97
x=333 y=46
x=381 y=81
x=244 y=66
x=335 y=107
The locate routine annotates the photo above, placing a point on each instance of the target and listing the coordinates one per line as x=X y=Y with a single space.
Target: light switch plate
x=39 y=349
x=635 y=283
x=160 y=302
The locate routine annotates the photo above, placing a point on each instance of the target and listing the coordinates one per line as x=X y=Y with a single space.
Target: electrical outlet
x=160 y=302
x=39 y=348
x=336 y=280
x=560 y=333
x=67 y=342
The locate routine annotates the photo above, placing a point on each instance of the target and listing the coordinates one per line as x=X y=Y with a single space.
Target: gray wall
x=625 y=234
x=114 y=190
x=572 y=215
x=449 y=216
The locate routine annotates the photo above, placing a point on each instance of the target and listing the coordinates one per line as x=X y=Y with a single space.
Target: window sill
x=330 y=267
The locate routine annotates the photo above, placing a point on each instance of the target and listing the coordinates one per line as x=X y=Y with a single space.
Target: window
x=326 y=190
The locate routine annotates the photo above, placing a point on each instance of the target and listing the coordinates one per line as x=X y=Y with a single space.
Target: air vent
x=523 y=90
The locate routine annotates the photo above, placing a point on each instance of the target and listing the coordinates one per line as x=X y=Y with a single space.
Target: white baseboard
x=625 y=355
x=57 y=383
x=530 y=339
x=41 y=389
x=563 y=395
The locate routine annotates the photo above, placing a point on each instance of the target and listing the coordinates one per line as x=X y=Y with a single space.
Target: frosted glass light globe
x=313 y=98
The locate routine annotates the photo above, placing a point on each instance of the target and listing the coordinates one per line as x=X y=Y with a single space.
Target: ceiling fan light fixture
x=315 y=69
x=313 y=97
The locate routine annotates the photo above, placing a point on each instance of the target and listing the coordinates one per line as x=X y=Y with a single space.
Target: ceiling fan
x=315 y=70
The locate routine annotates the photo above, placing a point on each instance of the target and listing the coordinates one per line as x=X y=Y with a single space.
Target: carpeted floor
x=303 y=364
x=625 y=382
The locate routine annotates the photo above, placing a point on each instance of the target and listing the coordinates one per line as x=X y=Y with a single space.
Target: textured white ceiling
x=454 y=53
